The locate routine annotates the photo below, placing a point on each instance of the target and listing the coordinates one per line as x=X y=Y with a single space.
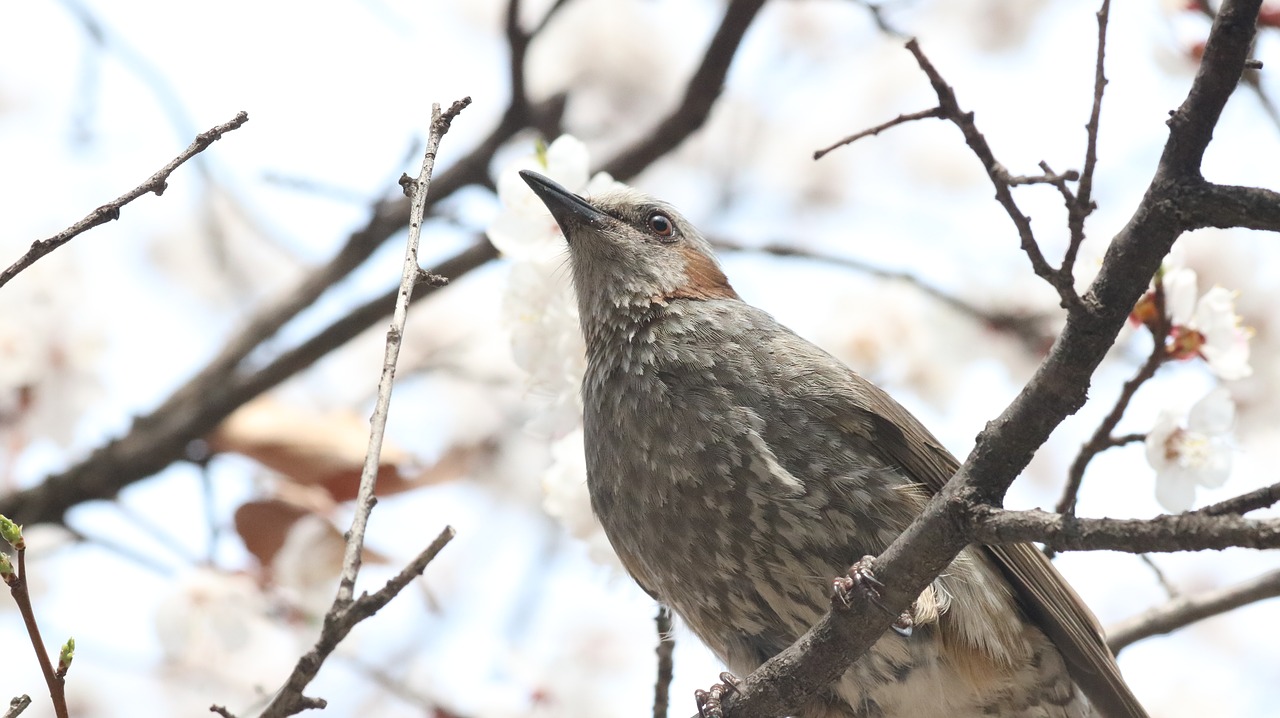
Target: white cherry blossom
x=541 y=313
x=1207 y=327
x=1195 y=454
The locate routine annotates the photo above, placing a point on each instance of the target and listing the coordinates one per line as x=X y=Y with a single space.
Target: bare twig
x=876 y=10
x=1170 y=590
x=1244 y=503
x=18 y=588
x=346 y=612
x=1184 y=611
x=999 y=176
x=1079 y=208
x=935 y=112
x=1057 y=179
x=17 y=706
x=221 y=710
x=416 y=189
x=157 y=183
x=289 y=700
x=666 y=668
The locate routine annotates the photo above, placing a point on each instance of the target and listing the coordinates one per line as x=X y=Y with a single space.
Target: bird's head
x=630 y=251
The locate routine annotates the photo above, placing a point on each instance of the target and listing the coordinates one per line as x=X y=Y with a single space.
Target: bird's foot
x=860 y=582
x=709 y=701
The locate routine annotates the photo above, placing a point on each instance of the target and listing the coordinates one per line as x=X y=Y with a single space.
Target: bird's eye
x=662 y=226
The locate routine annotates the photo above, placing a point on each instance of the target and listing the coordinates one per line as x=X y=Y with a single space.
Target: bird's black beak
x=568 y=208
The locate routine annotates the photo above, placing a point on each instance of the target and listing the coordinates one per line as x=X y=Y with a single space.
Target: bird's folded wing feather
x=873 y=418
x=1044 y=593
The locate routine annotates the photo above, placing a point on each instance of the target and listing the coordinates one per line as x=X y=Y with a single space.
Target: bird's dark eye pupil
x=661 y=225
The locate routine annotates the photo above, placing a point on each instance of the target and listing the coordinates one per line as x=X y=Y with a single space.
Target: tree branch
x=289 y=700
x=935 y=112
x=1102 y=438
x=1162 y=534
x=1057 y=389
x=1215 y=205
x=700 y=94
x=17 y=705
x=346 y=612
x=1081 y=205
x=1244 y=503
x=1184 y=611
x=1000 y=178
x=666 y=668
x=156 y=183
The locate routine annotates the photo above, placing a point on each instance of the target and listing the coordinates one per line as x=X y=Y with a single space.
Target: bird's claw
x=860 y=582
x=709 y=701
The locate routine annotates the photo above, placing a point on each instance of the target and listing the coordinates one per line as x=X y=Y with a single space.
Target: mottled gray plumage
x=737 y=468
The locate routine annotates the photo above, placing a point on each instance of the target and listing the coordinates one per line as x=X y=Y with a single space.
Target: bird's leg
x=709 y=701
x=861 y=579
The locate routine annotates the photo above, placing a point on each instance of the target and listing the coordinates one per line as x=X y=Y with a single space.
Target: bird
x=735 y=468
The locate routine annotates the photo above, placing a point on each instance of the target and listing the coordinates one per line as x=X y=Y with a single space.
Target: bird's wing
x=872 y=417
x=1043 y=592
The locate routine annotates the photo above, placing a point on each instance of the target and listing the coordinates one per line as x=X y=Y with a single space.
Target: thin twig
x=935 y=112
x=876 y=10
x=18 y=588
x=1102 y=438
x=999 y=176
x=1082 y=206
x=346 y=612
x=1244 y=503
x=17 y=706
x=666 y=666
x=1170 y=590
x=157 y=183
x=1049 y=177
x=221 y=710
x=1186 y=610
x=289 y=700
x=416 y=189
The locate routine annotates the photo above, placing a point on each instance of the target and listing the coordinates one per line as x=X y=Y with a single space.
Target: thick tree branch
x=1058 y=389
x=156 y=183
x=1215 y=205
x=699 y=94
x=1185 y=610
x=1162 y=534
x=1102 y=438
